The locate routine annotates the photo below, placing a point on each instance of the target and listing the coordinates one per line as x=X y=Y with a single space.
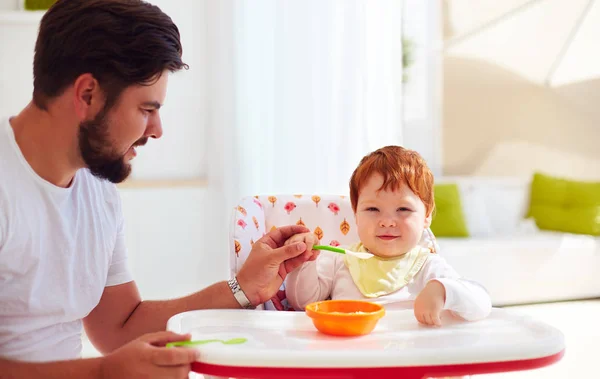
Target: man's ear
x=88 y=99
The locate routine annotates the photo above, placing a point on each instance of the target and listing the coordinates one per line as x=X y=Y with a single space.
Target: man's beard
x=98 y=155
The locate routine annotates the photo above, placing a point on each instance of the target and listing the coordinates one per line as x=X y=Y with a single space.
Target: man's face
x=107 y=142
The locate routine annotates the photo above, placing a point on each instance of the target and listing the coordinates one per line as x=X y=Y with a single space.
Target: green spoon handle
x=190 y=343
x=330 y=248
x=233 y=341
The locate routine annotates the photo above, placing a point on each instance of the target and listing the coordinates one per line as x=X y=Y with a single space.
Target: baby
x=391 y=192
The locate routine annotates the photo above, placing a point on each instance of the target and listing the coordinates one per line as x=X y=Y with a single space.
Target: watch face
x=239 y=295
x=234 y=285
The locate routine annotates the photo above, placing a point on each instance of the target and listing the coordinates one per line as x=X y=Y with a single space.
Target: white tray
x=289 y=339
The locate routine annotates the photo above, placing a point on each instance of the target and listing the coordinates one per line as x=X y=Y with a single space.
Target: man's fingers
x=418 y=316
x=283 y=271
x=315 y=255
x=428 y=319
x=290 y=251
x=294 y=263
x=162 y=338
x=278 y=236
x=310 y=243
x=291 y=262
x=174 y=356
x=306 y=255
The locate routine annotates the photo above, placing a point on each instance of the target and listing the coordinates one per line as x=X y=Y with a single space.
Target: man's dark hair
x=119 y=42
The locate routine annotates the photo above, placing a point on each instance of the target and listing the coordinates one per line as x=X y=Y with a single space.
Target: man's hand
x=430 y=303
x=270 y=261
x=146 y=357
x=310 y=239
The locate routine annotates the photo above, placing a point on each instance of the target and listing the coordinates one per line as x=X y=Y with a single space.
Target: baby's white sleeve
x=311 y=282
x=465 y=298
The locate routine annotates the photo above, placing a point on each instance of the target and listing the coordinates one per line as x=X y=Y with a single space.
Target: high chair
x=331 y=218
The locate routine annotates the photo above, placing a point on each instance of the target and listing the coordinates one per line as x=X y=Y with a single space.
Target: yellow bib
x=377 y=276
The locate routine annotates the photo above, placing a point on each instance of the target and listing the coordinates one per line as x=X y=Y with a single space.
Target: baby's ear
x=428 y=221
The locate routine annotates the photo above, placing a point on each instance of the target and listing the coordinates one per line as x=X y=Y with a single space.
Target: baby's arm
x=465 y=298
x=311 y=282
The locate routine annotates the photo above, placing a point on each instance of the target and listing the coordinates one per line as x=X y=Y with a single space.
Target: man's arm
x=81 y=368
x=122 y=316
x=146 y=357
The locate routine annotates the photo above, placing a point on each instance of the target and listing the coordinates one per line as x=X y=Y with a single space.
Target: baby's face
x=390 y=223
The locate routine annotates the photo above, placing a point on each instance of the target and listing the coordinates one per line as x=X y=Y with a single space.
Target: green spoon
x=233 y=341
x=339 y=250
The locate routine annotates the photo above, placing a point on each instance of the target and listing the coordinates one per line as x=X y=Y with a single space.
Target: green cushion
x=565 y=205
x=448 y=217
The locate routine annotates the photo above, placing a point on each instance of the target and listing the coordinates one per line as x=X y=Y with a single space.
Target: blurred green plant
x=38 y=5
x=407 y=57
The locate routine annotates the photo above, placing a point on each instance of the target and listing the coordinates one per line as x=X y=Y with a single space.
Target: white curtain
x=299 y=91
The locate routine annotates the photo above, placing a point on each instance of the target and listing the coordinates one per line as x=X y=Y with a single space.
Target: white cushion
x=492 y=206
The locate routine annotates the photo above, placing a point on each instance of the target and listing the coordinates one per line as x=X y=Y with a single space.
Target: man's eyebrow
x=153 y=104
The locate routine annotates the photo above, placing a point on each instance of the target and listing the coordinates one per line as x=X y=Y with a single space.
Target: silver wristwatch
x=239 y=295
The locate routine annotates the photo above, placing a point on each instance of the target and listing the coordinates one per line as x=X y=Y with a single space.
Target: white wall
x=167 y=232
x=499 y=124
x=422 y=123
x=17 y=40
x=180 y=153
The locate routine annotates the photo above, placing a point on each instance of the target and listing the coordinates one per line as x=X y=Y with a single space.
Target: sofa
x=516 y=261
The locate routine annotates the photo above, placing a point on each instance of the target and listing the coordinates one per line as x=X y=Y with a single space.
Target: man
x=100 y=77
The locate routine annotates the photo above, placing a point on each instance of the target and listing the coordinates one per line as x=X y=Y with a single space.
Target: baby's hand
x=430 y=303
x=310 y=239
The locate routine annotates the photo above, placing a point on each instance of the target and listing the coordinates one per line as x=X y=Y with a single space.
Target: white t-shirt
x=328 y=277
x=59 y=248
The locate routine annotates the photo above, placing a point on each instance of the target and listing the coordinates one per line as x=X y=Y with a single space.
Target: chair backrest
x=330 y=217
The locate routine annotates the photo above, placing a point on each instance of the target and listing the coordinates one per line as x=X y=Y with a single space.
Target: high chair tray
x=287 y=345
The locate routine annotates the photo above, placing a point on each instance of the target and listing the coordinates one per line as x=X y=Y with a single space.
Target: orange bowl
x=345 y=317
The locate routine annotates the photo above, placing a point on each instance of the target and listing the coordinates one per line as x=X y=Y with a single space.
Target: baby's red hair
x=398 y=166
